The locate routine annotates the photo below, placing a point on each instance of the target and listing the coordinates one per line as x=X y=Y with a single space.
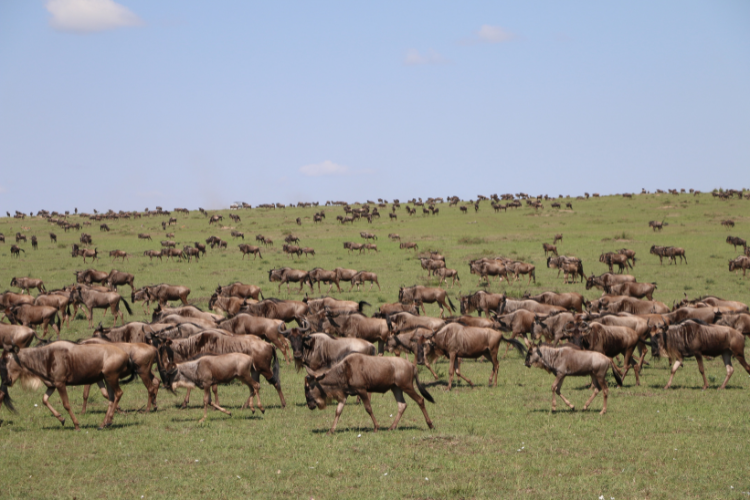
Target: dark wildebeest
x=611 y=341
x=481 y=301
x=31 y=315
x=20 y=237
x=569 y=300
x=25 y=283
x=117 y=278
x=246 y=249
x=742 y=262
x=549 y=249
x=52 y=238
x=209 y=371
x=34 y=243
x=143 y=357
x=61 y=364
x=568 y=361
x=15 y=251
x=264 y=328
x=422 y=294
x=191 y=253
x=319 y=275
x=93 y=299
x=694 y=338
x=357 y=325
x=241 y=290
x=455 y=340
x=736 y=241
x=361 y=277
x=265 y=361
x=361 y=375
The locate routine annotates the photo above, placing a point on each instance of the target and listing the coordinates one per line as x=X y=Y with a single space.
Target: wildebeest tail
x=616 y=372
x=275 y=380
x=5 y=398
x=517 y=345
x=261 y=295
x=362 y=304
x=127 y=306
x=133 y=368
x=422 y=388
x=453 y=308
x=41 y=287
x=59 y=323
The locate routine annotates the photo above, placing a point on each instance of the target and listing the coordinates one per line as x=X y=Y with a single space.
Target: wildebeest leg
x=458 y=372
x=597 y=383
x=45 y=401
x=186 y=400
x=492 y=356
x=675 y=366
x=364 y=396
x=215 y=388
x=152 y=386
x=339 y=410
x=701 y=368
x=62 y=390
x=399 y=395
x=427 y=364
x=254 y=391
x=556 y=391
x=628 y=356
x=115 y=393
x=215 y=403
x=727 y=357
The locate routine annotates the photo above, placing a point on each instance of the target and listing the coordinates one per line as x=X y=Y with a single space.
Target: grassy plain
x=499 y=443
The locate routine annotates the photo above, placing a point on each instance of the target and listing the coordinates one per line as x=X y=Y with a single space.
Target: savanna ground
x=501 y=442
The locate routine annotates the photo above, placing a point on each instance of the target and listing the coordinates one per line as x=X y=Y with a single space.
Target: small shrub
x=687 y=288
x=471 y=240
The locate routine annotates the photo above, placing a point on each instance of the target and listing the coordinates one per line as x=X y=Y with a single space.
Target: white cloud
x=86 y=16
x=324 y=168
x=415 y=58
x=494 y=34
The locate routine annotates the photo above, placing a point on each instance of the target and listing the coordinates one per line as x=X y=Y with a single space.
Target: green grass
x=488 y=443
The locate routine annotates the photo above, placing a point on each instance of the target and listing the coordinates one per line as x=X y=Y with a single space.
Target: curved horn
x=285 y=331
x=306 y=326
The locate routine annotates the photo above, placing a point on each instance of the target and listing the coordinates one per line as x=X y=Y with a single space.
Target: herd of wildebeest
x=334 y=340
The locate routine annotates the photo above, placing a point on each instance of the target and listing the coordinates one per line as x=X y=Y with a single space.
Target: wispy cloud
x=324 y=168
x=416 y=58
x=490 y=34
x=88 y=16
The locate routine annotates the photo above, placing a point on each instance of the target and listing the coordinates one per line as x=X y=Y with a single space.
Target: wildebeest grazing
x=362 y=375
x=26 y=283
x=15 y=251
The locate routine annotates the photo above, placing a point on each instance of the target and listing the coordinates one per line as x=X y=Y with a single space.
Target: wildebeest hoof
x=62 y=422
x=573 y=408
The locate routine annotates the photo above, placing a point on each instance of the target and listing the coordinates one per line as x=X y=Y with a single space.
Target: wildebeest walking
x=26 y=283
x=423 y=294
x=362 y=375
x=569 y=361
x=94 y=299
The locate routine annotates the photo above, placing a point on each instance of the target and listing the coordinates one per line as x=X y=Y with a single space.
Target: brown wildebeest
x=356 y=325
x=396 y=307
x=264 y=328
x=93 y=299
x=569 y=300
x=59 y=299
x=431 y=265
x=423 y=294
x=727 y=223
x=629 y=289
x=31 y=315
x=408 y=245
x=455 y=340
x=25 y=283
x=52 y=238
x=215 y=218
x=142 y=236
x=608 y=279
x=615 y=259
x=634 y=306
x=519 y=268
x=510 y=305
x=61 y=364
x=15 y=251
x=551 y=327
x=361 y=375
x=34 y=243
x=368 y=236
x=143 y=357
x=742 y=262
x=714 y=301
x=172 y=252
x=20 y=237
x=568 y=361
x=162 y=293
x=229 y=305
x=674 y=252
x=265 y=361
x=481 y=301
x=210 y=319
x=693 y=338
x=9 y=299
x=329 y=303
x=287 y=275
x=119 y=254
x=241 y=290
x=103 y=227
x=630 y=254
x=86 y=254
x=549 y=249
x=738 y=321
x=344 y=274
x=209 y=371
x=319 y=275
x=168 y=244
x=558 y=237
x=152 y=253
x=190 y=253
x=736 y=242
x=656 y=225
x=394 y=236
x=361 y=277
x=246 y=249
x=200 y=247
x=319 y=351
x=611 y=341
x=17 y=335
x=287 y=310
x=91 y=276
x=519 y=323
x=708 y=315
x=311 y=251
x=445 y=273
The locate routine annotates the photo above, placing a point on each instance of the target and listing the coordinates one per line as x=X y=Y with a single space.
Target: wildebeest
x=117 y=278
x=264 y=328
x=656 y=225
x=8 y=299
x=246 y=249
x=59 y=299
x=287 y=275
x=634 y=306
x=143 y=236
x=93 y=299
x=741 y=262
x=519 y=268
x=361 y=277
x=229 y=305
x=361 y=375
x=408 y=245
x=20 y=237
x=318 y=275
x=611 y=341
x=241 y=290
x=52 y=238
x=357 y=325
x=287 y=310
x=61 y=364
x=208 y=371
x=152 y=253
x=26 y=283
x=620 y=260
x=17 y=335
x=694 y=338
x=569 y=300
x=331 y=304
x=444 y=273
x=558 y=237
x=630 y=289
x=455 y=340
x=395 y=307
x=15 y=251
x=431 y=265
x=510 y=305
x=31 y=315
x=630 y=254
x=423 y=294
x=481 y=301
x=727 y=223
x=319 y=351
x=549 y=249
x=162 y=293
x=34 y=243
x=190 y=253
x=119 y=254
x=736 y=241
x=568 y=361
x=608 y=279
x=91 y=276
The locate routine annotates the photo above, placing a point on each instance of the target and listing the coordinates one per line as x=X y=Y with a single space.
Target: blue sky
x=138 y=103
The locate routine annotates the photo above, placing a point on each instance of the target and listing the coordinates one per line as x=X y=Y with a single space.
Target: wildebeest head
x=5 y=378
x=658 y=339
x=315 y=395
x=298 y=337
x=164 y=359
x=534 y=358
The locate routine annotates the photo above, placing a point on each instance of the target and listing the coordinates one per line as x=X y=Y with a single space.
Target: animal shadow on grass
x=366 y=430
x=234 y=416
x=695 y=387
x=69 y=426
